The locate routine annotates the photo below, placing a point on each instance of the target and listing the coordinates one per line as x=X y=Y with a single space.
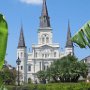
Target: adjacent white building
x=44 y=53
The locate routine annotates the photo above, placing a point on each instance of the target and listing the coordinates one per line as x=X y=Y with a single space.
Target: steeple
x=21 y=42
x=44 y=19
x=44 y=9
x=69 y=42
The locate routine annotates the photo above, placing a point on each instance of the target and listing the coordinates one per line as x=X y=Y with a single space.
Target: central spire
x=44 y=9
x=44 y=19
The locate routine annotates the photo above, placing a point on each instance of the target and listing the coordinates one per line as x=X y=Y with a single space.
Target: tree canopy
x=8 y=76
x=66 y=69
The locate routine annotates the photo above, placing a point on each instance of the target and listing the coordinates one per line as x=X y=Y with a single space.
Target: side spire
x=21 y=42
x=69 y=42
x=44 y=19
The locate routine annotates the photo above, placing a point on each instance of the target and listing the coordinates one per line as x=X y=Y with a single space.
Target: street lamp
x=18 y=61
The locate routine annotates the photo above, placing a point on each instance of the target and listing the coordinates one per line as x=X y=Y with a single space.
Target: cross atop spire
x=44 y=19
x=69 y=42
x=21 y=42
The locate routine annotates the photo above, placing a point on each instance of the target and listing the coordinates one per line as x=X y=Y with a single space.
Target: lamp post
x=18 y=61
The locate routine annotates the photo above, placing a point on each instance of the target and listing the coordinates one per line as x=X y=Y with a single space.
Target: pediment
x=46 y=46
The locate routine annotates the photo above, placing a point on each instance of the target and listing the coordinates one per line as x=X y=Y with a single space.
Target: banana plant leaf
x=3 y=39
x=82 y=37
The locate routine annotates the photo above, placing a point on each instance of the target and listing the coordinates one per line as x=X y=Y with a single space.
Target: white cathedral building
x=44 y=53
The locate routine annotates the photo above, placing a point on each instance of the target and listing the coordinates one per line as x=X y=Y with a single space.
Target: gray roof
x=44 y=19
x=86 y=58
x=69 y=43
x=21 y=42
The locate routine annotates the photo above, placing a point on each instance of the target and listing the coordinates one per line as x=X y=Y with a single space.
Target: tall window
x=45 y=55
x=24 y=54
x=29 y=80
x=42 y=55
x=36 y=54
x=54 y=54
x=40 y=66
x=47 y=40
x=44 y=67
x=43 y=40
x=21 y=54
x=29 y=68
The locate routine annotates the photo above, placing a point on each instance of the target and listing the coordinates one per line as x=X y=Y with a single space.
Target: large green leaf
x=82 y=37
x=3 y=39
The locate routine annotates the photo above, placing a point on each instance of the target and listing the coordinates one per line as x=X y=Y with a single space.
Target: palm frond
x=82 y=37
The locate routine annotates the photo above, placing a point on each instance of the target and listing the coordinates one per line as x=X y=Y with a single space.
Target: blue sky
x=28 y=12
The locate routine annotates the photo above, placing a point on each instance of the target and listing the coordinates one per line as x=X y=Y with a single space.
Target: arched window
x=29 y=80
x=47 y=40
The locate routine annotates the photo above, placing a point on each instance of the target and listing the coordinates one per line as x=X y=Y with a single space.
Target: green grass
x=55 y=86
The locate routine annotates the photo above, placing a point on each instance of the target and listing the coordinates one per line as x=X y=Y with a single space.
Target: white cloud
x=32 y=1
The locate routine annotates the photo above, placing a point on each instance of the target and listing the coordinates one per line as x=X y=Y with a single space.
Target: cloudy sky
x=27 y=12
x=32 y=1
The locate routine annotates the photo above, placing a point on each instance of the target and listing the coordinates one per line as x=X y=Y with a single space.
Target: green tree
x=42 y=75
x=8 y=75
x=66 y=69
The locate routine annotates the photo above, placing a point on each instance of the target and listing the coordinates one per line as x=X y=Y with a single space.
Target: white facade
x=43 y=54
x=69 y=50
x=22 y=54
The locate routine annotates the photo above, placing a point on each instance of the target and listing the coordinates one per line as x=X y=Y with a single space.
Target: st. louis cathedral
x=44 y=53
